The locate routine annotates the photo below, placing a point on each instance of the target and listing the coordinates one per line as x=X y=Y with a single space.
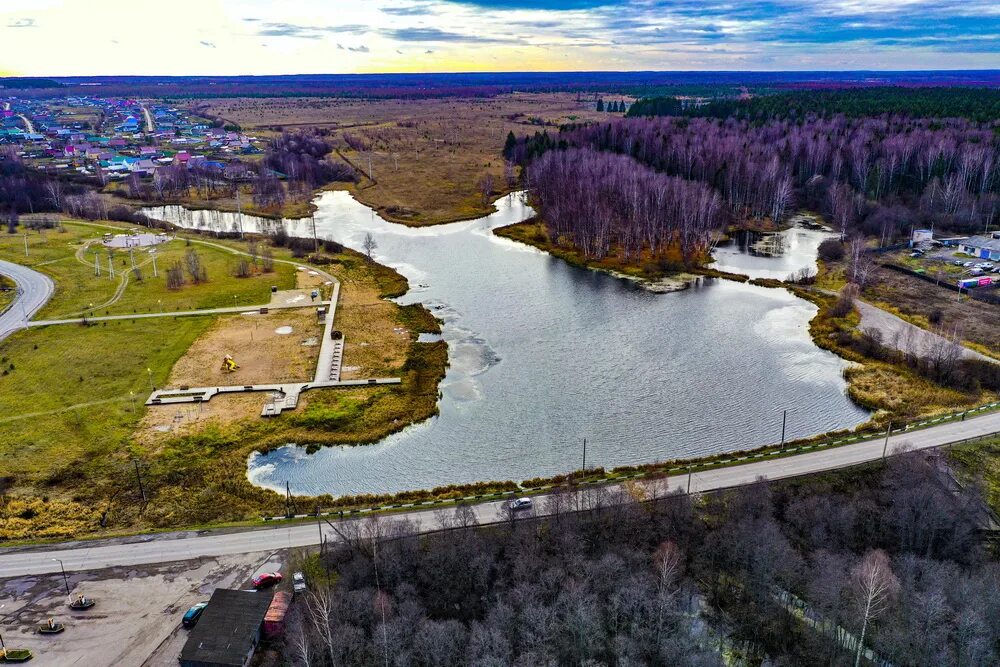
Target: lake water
x=798 y=250
x=544 y=354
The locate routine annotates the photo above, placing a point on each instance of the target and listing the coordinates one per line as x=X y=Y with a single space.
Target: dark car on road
x=193 y=614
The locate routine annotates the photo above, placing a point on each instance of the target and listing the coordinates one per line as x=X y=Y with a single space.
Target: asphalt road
x=176 y=547
x=33 y=290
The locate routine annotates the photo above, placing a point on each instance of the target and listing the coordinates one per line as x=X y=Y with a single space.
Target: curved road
x=33 y=290
x=180 y=546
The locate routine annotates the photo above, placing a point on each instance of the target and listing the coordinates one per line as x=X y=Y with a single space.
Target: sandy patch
x=263 y=355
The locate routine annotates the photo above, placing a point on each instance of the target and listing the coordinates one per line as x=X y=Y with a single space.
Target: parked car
x=967 y=264
x=193 y=614
x=299 y=582
x=518 y=504
x=266 y=579
x=957 y=262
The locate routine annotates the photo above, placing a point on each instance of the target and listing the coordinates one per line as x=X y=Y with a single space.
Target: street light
x=131 y=395
x=150 y=372
x=65 y=578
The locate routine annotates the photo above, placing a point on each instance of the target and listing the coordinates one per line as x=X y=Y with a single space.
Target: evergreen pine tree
x=509 y=144
x=600 y=105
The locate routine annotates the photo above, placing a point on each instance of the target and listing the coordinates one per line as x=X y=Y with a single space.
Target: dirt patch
x=167 y=421
x=263 y=356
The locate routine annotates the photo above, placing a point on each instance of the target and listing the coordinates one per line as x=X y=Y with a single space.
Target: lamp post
x=65 y=578
x=131 y=396
x=150 y=372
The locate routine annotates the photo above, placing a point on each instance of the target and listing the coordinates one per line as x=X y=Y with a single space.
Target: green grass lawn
x=45 y=372
x=78 y=289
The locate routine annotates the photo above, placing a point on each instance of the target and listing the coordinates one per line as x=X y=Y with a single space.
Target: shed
x=228 y=630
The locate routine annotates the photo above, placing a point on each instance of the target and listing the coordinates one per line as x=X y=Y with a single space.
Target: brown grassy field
x=920 y=302
x=426 y=156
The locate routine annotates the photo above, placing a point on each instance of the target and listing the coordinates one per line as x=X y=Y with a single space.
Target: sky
x=229 y=37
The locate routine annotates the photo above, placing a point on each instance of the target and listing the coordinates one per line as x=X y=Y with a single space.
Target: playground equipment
x=51 y=627
x=81 y=603
x=229 y=364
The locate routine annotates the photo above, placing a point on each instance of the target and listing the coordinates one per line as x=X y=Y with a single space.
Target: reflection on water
x=777 y=255
x=544 y=354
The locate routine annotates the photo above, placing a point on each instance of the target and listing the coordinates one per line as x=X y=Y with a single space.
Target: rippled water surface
x=544 y=355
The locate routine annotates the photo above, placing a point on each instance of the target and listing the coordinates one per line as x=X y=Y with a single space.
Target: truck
x=274 y=619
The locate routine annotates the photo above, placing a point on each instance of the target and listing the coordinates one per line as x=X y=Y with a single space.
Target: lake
x=544 y=354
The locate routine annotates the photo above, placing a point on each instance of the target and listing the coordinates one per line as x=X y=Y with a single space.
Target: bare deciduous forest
x=789 y=573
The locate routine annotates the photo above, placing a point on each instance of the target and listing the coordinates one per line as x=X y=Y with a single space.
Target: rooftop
x=228 y=627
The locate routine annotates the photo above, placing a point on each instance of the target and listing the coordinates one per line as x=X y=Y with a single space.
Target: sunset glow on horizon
x=230 y=37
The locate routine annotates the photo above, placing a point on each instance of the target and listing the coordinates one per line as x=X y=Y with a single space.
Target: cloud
x=281 y=29
x=415 y=9
x=554 y=5
x=208 y=44
x=358 y=49
x=438 y=35
x=23 y=23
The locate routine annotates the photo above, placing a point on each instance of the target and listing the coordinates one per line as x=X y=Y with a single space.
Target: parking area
x=137 y=616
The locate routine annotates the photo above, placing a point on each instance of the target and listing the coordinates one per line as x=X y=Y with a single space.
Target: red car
x=266 y=579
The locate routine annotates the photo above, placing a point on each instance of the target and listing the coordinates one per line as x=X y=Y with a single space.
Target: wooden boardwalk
x=287 y=392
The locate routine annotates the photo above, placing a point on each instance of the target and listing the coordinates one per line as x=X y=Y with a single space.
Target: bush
x=831 y=250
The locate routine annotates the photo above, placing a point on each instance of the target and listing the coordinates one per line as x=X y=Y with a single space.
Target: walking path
x=177 y=313
x=27 y=123
x=906 y=337
x=167 y=547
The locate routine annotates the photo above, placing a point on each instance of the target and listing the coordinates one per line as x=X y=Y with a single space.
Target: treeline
x=603 y=200
x=876 y=172
x=976 y=104
x=771 y=574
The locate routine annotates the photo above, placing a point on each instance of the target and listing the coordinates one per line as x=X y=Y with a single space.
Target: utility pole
x=584 y=468
x=138 y=477
x=319 y=524
x=239 y=210
x=26 y=244
x=152 y=254
x=689 y=480
x=65 y=578
x=784 y=419
x=885 y=447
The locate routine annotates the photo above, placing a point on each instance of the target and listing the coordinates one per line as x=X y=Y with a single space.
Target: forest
x=977 y=104
x=885 y=561
x=606 y=200
x=879 y=176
